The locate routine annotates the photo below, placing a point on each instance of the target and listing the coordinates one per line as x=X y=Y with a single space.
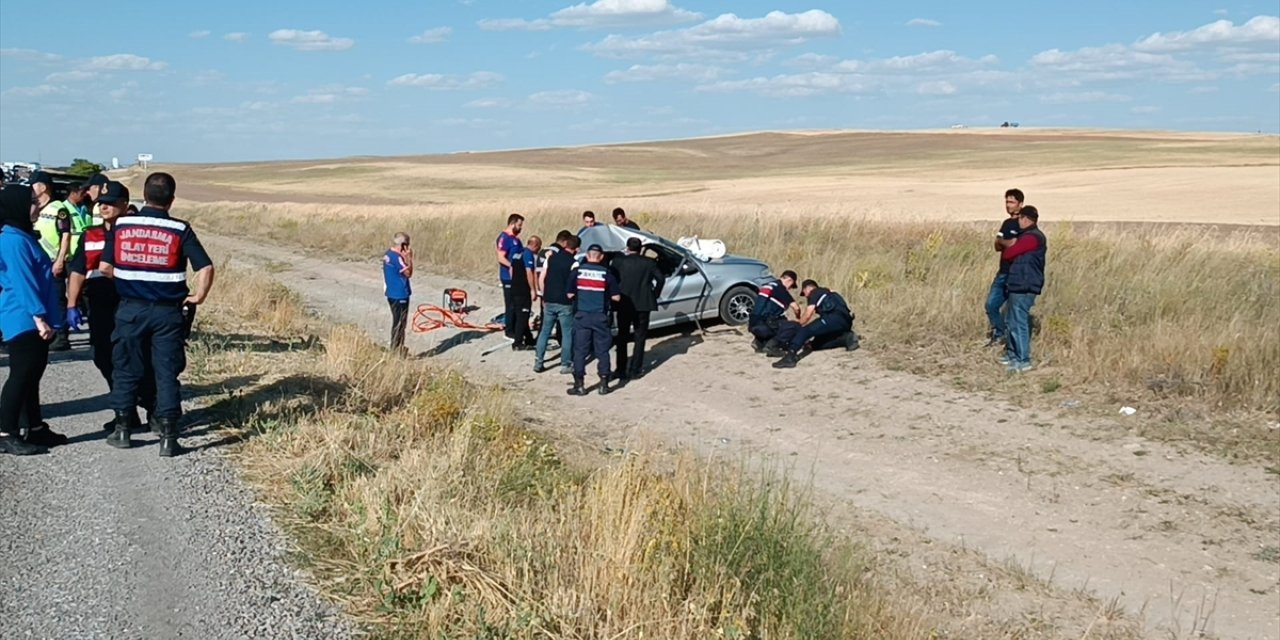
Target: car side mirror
x=687 y=268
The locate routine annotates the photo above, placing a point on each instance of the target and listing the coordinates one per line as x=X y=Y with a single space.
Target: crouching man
x=768 y=320
x=827 y=321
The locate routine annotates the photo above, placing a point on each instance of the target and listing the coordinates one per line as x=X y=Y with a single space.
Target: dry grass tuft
x=421 y=507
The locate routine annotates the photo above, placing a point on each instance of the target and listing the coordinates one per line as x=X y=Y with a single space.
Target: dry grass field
x=1139 y=308
x=1163 y=293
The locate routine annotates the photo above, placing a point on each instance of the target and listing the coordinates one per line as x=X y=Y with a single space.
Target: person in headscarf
x=29 y=313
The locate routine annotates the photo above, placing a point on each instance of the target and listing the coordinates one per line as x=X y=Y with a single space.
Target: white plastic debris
x=705 y=250
x=1127 y=411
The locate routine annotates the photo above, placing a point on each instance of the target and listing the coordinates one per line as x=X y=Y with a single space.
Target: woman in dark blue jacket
x=28 y=314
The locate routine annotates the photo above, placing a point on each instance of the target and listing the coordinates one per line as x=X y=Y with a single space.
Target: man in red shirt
x=1026 y=258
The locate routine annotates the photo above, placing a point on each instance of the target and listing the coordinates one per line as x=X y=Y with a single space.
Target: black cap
x=1031 y=213
x=40 y=177
x=98 y=180
x=808 y=283
x=596 y=247
x=791 y=274
x=634 y=244
x=113 y=193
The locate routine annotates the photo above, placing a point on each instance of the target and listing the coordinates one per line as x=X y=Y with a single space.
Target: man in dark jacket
x=997 y=295
x=1026 y=259
x=641 y=283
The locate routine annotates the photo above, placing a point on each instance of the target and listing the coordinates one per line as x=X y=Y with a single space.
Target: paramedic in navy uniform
x=147 y=255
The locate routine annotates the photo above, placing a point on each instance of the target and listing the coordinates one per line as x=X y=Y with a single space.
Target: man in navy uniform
x=147 y=255
x=768 y=320
x=592 y=288
x=826 y=319
x=87 y=278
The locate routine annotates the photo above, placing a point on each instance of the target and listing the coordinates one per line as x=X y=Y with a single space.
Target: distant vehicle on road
x=696 y=288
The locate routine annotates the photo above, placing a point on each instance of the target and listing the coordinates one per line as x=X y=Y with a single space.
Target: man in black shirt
x=996 y=296
x=557 y=307
x=641 y=283
x=620 y=218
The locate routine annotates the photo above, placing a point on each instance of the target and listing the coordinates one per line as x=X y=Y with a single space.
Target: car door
x=683 y=292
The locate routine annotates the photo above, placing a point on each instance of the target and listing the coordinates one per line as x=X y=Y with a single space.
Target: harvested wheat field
x=953 y=175
x=988 y=505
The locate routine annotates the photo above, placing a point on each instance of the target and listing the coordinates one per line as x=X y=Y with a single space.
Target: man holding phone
x=397 y=268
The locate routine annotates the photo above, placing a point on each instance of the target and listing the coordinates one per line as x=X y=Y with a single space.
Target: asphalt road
x=101 y=543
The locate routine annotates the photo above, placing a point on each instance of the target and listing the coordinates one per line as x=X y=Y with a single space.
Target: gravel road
x=100 y=543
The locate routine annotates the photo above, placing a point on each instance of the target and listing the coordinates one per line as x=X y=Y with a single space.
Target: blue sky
x=239 y=80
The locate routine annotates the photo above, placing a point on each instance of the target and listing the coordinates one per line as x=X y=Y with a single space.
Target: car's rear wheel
x=736 y=305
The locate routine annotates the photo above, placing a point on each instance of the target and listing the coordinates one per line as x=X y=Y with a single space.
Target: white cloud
x=932 y=61
x=29 y=55
x=330 y=95
x=122 y=62
x=198 y=35
x=38 y=91
x=561 y=98
x=236 y=36
x=797 y=85
x=923 y=22
x=812 y=60
x=601 y=14
x=936 y=88
x=316 y=98
x=1202 y=90
x=1145 y=110
x=651 y=72
x=1260 y=29
x=70 y=76
x=936 y=73
x=309 y=40
x=432 y=36
x=442 y=82
x=488 y=103
x=1114 y=62
x=726 y=32
x=1082 y=97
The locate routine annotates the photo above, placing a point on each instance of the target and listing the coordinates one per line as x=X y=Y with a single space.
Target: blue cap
x=595 y=247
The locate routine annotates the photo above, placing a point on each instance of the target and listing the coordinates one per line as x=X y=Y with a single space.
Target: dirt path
x=1185 y=541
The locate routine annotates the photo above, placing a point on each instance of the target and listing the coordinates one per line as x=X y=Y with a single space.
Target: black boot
x=169 y=446
x=757 y=345
x=121 y=438
x=851 y=341
x=774 y=349
x=578 y=388
x=788 y=361
x=604 y=386
x=61 y=342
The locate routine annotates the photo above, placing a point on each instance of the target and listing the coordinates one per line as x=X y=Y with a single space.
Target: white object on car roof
x=705 y=250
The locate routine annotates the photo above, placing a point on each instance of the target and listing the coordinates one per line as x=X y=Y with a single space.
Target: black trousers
x=399 y=321
x=632 y=324
x=103 y=300
x=517 y=307
x=60 y=285
x=20 y=397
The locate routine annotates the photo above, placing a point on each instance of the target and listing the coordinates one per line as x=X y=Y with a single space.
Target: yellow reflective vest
x=47 y=228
